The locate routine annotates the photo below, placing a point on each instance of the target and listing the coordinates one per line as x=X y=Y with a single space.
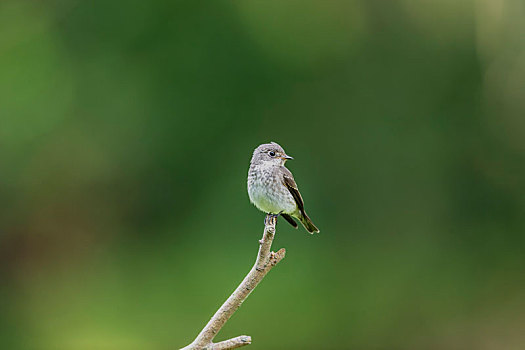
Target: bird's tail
x=308 y=224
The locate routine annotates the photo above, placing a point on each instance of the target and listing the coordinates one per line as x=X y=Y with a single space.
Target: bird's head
x=270 y=154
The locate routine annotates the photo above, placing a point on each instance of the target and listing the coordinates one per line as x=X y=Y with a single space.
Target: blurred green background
x=126 y=129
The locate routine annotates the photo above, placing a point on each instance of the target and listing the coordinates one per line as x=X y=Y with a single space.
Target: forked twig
x=266 y=260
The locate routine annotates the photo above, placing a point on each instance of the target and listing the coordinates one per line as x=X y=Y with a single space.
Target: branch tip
x=232 y=343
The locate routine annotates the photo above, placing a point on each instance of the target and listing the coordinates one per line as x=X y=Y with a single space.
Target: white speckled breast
x=267 y=191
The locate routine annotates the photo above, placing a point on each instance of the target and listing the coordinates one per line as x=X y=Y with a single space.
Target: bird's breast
x=268 y=193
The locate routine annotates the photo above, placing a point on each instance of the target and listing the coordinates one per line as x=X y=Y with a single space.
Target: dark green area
x=126 y=128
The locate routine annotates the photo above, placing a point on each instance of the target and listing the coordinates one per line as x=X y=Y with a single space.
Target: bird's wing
x=289 y=219
x=289 y=182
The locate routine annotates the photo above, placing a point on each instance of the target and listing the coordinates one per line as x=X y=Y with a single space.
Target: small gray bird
x=272 y=188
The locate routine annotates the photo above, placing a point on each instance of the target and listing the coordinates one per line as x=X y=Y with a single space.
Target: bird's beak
x=285 y=156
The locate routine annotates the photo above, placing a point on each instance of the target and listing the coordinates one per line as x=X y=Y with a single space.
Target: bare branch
x=232 y=343
x=266 y=260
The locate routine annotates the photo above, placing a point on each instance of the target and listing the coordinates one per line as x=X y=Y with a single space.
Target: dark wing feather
x=289 y=219
x=289 y=182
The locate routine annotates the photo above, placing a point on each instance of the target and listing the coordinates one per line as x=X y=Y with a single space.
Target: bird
x=272 y=188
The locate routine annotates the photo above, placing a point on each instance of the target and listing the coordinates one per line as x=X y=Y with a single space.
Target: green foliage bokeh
x=126 y=128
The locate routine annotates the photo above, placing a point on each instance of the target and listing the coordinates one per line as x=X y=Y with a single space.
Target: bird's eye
x=271 y=153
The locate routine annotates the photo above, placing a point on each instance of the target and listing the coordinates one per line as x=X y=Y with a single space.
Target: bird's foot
x=270 y=219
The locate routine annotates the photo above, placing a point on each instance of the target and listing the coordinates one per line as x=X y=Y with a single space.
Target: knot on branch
x=276 y=257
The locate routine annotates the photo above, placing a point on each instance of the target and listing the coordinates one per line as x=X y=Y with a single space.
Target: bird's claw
x=270 y=219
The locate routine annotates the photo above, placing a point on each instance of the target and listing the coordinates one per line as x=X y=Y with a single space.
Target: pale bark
x=266 y=260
